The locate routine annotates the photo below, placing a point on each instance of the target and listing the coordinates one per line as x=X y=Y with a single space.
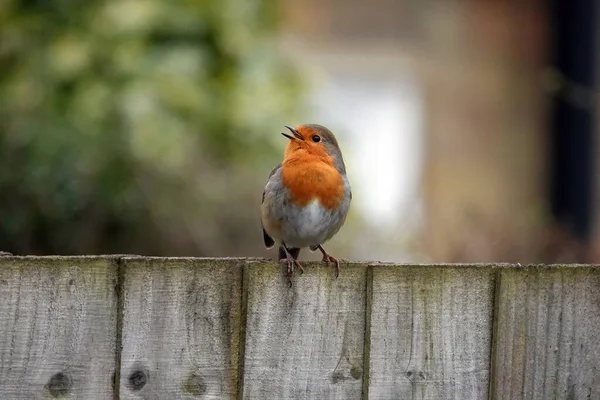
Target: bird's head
x=314 y=140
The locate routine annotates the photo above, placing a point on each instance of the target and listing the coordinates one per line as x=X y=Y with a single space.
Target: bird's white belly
x=307 y=226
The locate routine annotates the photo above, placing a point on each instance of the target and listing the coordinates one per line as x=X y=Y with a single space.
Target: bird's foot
x=291 y=263
x=327 y=259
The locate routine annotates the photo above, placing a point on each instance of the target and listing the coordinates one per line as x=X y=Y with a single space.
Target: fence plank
x=430 y=332
x=181 y=328
x=57 y=327
x=548 y=334
x=305 y=342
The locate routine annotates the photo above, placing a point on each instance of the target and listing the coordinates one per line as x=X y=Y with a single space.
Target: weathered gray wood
x=305 y=342
x=428 y=329
x=430 y=332
x=181 y=328
x=548 y=334
x=57 y=328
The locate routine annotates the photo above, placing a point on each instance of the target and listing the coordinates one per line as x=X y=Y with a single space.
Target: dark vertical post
x=574 y=30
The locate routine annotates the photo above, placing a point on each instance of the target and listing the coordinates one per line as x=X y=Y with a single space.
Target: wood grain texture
x=548 y=334
x=305 y=342
x=430 y=332
x=181 y=328
x=230 y=328
x=57 y=327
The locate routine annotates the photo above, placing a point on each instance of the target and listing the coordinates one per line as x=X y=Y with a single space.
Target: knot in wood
x=58 y=385
x=137 y=380
x=195 y=385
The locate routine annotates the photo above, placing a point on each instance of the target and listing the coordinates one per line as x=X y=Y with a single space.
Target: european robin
x=307 y=196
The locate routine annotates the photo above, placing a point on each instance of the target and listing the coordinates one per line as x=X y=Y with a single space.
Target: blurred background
x=150 y=126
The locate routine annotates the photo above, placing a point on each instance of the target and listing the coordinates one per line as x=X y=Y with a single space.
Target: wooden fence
x=184 y=328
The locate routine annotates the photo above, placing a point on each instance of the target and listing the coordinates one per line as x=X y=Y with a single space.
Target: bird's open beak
x=297 y=134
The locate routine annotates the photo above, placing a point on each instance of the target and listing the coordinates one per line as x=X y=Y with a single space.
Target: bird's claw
x=291 y=263
x=327 y=259
x=290 y=267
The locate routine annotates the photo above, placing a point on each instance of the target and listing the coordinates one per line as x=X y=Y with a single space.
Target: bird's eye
x=316 y=138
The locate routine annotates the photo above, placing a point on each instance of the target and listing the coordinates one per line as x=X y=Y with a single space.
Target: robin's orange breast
x=308 y=178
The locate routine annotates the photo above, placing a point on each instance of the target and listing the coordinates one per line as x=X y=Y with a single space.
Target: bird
x=307 y=196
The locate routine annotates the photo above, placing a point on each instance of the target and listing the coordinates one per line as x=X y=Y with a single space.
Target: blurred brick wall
x=486 y=169
x=486 y=135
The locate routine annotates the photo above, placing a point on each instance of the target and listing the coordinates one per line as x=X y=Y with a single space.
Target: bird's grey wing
x=269 y=242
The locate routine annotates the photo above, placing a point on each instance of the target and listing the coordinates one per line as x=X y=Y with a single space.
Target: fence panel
x=232 y=328
x=58 y=322
x=548 y=334
x=181 y=328
x=431 y=332
x=305 y=341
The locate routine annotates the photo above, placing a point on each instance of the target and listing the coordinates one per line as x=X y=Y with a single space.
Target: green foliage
x=130 y=126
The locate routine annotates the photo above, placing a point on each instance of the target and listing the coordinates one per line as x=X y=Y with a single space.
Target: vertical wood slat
x=181 y=328
x=306 y=341
x=431 y=332
x=548 y=334
x=57 y=327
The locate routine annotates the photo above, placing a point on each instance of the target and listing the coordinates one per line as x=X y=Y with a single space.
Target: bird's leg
x=327 y=258
x=291 y=261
